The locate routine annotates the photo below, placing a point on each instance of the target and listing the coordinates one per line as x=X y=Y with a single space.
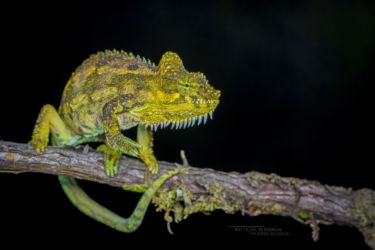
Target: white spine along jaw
x=182 y=124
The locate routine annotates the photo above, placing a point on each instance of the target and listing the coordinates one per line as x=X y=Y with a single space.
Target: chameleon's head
x=181 y=98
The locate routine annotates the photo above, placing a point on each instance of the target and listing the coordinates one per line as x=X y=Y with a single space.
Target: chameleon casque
x=113 y=91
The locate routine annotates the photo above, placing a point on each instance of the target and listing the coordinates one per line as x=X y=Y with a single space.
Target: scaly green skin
x=113 y=91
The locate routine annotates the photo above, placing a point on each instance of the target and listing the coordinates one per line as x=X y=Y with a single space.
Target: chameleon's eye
x=185 y=84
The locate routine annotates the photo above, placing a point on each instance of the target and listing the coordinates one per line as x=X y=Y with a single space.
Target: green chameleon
x=114 y=91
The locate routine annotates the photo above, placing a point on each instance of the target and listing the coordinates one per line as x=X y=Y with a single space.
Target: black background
x=295 y=78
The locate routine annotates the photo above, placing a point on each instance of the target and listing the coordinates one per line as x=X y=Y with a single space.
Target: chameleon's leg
x=114 y=138
x=145 y=138
x=94 y=210
x=48 y=122
x=111 y=159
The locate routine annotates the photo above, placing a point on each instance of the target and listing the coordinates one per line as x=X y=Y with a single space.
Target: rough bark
x=205 y=190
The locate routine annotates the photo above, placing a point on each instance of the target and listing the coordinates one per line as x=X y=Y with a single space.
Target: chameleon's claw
x=154 y=169
x=38 y=145
x=111 y=172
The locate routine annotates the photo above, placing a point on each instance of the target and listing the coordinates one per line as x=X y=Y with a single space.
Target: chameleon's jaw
x=182 y=124
x=183 y=115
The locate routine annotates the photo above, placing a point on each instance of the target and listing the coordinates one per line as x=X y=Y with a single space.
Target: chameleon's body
x=114 y=91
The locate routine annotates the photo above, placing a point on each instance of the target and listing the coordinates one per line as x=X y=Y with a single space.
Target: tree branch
x=204 y=190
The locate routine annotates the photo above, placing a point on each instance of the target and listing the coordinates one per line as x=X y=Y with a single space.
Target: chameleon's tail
x=96 y=211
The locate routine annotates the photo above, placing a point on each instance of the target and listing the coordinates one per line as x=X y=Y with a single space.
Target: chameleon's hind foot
x=145 y=138
x=147 y=156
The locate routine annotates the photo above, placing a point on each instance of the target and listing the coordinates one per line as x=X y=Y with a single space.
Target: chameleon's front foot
x=39 y=144
x=111 y=160
x=148 y=157
x=114 y=147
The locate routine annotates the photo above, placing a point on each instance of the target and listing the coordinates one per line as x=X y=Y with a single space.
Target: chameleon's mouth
x=182 y=124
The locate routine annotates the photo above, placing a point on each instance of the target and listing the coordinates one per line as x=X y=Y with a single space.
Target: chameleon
x=111 y=92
